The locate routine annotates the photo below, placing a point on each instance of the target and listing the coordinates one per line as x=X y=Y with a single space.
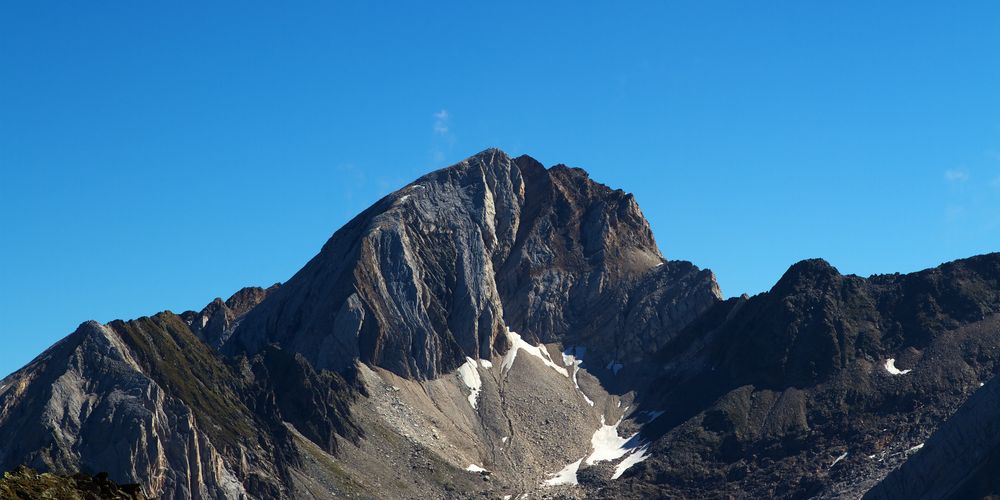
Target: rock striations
x=434 y=273
x=499 y=328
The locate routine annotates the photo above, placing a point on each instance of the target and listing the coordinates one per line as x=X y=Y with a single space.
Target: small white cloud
x=956 y=175
x=441 y=122
x=443 y=137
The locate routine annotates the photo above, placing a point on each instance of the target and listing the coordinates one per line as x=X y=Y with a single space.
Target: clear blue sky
x=156 y=155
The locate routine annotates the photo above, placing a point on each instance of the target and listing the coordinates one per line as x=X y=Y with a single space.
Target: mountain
x=501 y=328
x=433 y=274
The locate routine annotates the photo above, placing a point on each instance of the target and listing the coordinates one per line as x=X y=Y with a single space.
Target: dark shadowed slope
x=821 y=385
x=962 y=458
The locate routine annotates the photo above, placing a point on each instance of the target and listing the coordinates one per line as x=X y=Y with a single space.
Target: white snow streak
x=539 y=351
x=566 y=476
x=475 y=468
x=915 y=448
x=470 y=377
x=573 y=356
x=609 y=446
x=635 y=457
x=890 y=366
x=835 y=462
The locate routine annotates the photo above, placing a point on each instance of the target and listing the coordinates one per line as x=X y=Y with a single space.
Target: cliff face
x=145 y=401
x=89 y=405
x=433 y=274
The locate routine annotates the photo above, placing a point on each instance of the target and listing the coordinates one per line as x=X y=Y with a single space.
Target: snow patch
x=566 y=476
x=470 y=377
x=835 y=462
x=504 y=439
x=915 y=448
x=539 y=351
x=608 y=445
x=485 y=363
x=475 y=468
x=633 y=458
x=890 y=366
x=573 y=356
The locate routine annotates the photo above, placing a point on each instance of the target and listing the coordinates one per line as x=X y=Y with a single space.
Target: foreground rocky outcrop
x=499 y=328
x=26 y=484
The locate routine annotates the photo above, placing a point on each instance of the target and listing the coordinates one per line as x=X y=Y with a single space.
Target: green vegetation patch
x=188 y=368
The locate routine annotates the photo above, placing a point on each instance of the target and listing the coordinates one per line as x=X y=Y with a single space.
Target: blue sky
x=156 y=155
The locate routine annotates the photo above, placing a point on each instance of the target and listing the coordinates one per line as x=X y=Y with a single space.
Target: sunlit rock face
x=433 y=273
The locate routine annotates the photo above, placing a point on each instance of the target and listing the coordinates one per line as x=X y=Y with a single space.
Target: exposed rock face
x=431 y=274
x=216 y=322
x=88 y=405
x=148 y=402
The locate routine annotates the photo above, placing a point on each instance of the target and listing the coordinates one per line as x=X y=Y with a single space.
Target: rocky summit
x=499 y=329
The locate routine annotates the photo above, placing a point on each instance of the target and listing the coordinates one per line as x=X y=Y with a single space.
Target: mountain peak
x=806 y=273
x=439 y=270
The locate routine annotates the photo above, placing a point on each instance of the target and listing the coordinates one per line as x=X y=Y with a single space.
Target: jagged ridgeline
x=499 y=328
